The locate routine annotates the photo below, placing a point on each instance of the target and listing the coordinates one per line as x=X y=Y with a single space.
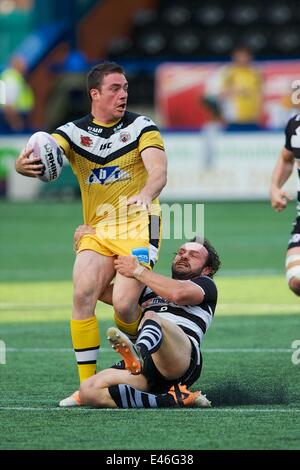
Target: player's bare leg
x=126 y=295
x=92 y=273
x=293 y=269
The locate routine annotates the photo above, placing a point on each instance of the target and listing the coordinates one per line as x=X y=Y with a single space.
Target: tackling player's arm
x=281 y=173
x=155 y=161
x=179 y=292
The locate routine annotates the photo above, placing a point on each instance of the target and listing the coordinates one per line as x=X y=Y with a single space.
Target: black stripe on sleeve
x=64 y=135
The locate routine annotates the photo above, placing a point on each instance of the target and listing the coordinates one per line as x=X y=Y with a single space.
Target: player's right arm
x=28 y=167
x=62 y=140
x=281 y=173
x=33 y=167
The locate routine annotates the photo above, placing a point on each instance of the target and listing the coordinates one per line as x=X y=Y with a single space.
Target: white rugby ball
x=48 y=151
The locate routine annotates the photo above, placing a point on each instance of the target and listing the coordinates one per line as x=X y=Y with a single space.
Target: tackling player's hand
x=279 y=199
x=81 y=230
x=125 y=265
x=29 y=167
x=140 y=200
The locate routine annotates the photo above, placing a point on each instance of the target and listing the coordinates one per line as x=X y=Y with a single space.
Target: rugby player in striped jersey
x=157 y=370
x=289 y=155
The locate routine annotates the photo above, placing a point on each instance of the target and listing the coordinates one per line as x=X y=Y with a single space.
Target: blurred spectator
x=19 y=99
x=210 y=131
x=241 y=91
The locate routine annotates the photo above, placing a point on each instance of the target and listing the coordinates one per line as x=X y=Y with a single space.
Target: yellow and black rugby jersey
x=107 y=158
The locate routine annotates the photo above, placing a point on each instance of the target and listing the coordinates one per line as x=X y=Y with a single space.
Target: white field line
x=106 y=350
x=193 y=410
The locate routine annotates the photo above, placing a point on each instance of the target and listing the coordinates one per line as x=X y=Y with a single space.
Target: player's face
x=109 y=103
x=189 y=261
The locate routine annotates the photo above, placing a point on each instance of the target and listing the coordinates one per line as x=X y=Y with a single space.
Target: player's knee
x=124 y=310
x=294 y=285
x=150 y=316
x=84 y=295
x=292 y=265
x=86 y=392
x=92 y=394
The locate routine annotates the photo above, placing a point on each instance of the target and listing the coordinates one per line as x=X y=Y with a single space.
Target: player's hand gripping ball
x=50 y=154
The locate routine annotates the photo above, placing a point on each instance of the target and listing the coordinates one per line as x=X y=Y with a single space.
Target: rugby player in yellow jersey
x=119 y=160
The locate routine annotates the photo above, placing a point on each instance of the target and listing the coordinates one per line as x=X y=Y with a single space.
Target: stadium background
x=248 y=371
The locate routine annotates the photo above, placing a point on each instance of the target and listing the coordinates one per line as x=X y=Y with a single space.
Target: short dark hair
x=213 y=260
x=97 y=73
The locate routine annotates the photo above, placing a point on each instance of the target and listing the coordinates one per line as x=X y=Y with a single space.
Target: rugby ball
x=48 y=151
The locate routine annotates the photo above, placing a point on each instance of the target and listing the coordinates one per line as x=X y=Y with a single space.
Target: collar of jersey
x=102 y=124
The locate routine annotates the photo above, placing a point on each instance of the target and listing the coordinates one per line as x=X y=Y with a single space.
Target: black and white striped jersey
x=292 y=143
x=292 y=136
x=193 y=319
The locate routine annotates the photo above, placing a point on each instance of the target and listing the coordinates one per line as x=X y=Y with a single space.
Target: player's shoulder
x=82 y=123
x=138 y=120
x=293 y=122
x=207 y=283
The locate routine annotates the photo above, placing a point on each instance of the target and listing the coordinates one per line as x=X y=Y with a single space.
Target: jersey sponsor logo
x=154 y=302
x=108 y=175
x=107 y=145
x=86 y=141
x=117 y=128
x=94 y=130
x=124 y=137
x=142 y=254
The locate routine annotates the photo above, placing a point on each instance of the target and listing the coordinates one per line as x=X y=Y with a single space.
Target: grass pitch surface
x=248 y=371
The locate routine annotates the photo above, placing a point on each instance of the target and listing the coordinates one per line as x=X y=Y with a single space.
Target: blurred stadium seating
x=154 y=31
x=208 y=30
x=144 y=34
